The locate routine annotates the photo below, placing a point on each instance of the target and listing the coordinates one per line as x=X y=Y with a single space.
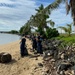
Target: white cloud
x=59 y=16
x=14 y=13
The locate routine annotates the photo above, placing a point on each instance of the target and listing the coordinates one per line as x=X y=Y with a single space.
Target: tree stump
x=5 y=57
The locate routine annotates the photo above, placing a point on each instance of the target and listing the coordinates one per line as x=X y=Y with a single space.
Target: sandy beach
x=18 y=65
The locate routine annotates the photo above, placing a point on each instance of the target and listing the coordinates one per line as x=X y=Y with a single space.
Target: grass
x=67 y=38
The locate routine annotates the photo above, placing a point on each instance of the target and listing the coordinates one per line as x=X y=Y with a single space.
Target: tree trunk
x=74 y=28
x=72 y=5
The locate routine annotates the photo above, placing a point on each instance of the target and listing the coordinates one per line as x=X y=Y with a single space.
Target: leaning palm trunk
x=73 y=11
x=67 y=7
x=72 y=5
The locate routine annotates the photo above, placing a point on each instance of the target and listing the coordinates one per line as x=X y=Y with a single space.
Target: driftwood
x=5 y=57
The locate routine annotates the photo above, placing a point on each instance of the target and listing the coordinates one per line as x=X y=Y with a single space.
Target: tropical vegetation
x=67 y=29
x=45 y=26
x=70 y=6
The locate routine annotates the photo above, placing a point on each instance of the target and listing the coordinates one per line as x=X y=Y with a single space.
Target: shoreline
x=8 y=38
x=18 y=65
x=10 y=47
x=8 y=43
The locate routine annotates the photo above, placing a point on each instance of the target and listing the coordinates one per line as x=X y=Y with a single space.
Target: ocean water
x=8 y=38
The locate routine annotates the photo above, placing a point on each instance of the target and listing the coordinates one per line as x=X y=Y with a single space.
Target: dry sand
x=19 y=66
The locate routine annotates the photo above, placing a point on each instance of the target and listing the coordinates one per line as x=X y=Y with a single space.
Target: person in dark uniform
x=23 y=46
x=34 y=43
x=39 y=45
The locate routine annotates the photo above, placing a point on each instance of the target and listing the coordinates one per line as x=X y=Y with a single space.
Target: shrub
x=51 y=33
x=41 y=31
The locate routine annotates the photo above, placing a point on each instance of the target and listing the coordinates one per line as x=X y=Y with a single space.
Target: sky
x=15 y=13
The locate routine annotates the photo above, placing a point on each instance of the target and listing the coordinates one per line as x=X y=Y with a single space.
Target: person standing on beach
x=34 y=43
x=39 y=45
x=23 y=50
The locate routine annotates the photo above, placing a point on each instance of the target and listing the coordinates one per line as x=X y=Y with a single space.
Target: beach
x=18 y=65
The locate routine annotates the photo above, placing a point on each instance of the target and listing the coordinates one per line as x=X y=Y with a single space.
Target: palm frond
x=52 y=6
x=69 y=26
x=63 y=28
x=51 y=23
x=67 y=7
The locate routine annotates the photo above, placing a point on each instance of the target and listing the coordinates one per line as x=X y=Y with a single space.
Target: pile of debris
x=59 y=58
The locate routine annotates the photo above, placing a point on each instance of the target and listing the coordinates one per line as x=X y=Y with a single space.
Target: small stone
x=73 y=72
x=47 y=71
x=43 y=73
x=64 y=66
x=35 y=68
x=48 y=54
x=40 y=64
x=62 y=73
x=18 y=58
x=36 y=58
x=24 y=68
x=62 y=56
x=73 y=67
x=52 y=60
x=69 y=72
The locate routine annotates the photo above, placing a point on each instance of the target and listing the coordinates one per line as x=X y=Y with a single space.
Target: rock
x=62 y=73
x=43 y=73
x=48 y=53
x=64 y=66
x=18 y=58
x=40 y=64
x=73 y=67
x=47 y=59
x=36 y=58
x=47 y=71
x=69 y=72
x=35 y=68
x=52 y=60
x=59 y=58
x=64 y=56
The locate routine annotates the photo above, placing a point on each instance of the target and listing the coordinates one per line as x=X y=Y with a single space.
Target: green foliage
x=26 y=29
x=41 y=31
x=21 y=30
x=67 y=38
x=67 y=29
x=51 y=33
x=13 y=32
x=40 y=19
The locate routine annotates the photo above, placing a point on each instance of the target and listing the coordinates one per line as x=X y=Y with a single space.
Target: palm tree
x=67 y=29
x=69 y=7
x=21 y=29
x=27 y=29
x=40 y=19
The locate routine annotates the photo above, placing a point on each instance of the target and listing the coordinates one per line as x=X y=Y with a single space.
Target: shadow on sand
x=11 y=62
x=33 y=56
